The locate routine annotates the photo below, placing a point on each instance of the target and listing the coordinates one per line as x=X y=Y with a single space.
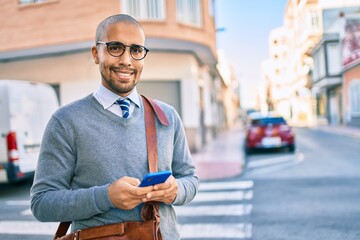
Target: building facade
x=323 y=86
x=50 y=40
x=351 y=70
x=289 y=64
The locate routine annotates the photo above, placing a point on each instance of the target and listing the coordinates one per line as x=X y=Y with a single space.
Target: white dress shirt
x=108 y=98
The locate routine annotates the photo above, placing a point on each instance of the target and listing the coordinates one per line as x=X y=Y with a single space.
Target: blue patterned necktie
x=125 y=106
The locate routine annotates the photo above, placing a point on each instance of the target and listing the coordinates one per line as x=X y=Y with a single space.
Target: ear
x=95 y=54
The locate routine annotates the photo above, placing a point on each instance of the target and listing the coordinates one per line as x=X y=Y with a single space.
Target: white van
x=25 y=109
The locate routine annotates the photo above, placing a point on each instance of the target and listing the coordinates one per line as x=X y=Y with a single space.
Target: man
x=93 y=153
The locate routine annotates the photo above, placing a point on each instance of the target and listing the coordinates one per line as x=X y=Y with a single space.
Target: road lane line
x=216 y=210
x=216 y=231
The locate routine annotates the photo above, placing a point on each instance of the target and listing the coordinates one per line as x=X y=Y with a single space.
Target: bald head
x=119 y=18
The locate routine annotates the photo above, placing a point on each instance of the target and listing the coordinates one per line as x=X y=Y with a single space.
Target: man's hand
x=125 y=194
x=165 y=192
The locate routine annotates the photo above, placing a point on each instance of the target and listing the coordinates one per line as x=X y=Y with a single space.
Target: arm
x=52 y=197
x=182 y=166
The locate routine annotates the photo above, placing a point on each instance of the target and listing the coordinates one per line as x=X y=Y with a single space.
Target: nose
x=125 y=58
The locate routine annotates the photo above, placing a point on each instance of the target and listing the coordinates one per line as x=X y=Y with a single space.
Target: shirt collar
x=107 y=98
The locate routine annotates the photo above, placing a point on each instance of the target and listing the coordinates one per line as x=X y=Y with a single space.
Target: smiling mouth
x=124 y=75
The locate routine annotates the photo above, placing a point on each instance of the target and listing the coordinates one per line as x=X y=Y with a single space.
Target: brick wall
x=57 y=22
x=54 y=22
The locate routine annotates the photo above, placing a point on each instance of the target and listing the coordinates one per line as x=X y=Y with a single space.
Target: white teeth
x=124 y=74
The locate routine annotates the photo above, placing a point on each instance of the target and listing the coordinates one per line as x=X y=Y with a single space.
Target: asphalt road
x=311 y=194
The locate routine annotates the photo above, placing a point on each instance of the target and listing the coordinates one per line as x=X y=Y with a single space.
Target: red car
x=268 y=132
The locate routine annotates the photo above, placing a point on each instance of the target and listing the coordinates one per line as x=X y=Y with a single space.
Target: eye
x=116 y=47
x=137 y=49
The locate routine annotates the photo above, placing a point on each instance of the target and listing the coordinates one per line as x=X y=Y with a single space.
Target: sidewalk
x=221 y=158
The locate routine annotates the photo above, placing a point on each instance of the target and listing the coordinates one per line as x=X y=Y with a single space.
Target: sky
x=245 y=38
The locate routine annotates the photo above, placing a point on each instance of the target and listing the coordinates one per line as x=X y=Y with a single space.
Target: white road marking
x=216 y=231
x=272 y=166
x=241 y=190
x=18 y=203
x=226 y=185
x=223 y=196
x=270 y=161
x=27 y=228
x=26 y=212
x=216 y=210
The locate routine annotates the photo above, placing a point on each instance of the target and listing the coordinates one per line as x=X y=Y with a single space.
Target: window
x=145 y=9
x=319 y=64
x=333 y=58
x=266 y=121
x=189 y=12
x=354 y=95
x=314 y=18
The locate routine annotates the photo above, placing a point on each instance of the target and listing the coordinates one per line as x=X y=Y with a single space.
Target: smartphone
x=154 y=178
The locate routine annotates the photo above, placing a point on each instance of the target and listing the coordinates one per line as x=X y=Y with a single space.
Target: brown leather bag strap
x=158 y=111
x=151 y=139
x=62 y=229
x=151 y=209
x=151 y=108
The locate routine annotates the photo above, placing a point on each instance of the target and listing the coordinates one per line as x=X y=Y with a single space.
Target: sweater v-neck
x=137 y=113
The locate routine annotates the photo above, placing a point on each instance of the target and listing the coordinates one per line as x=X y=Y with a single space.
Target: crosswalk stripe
x=26 y=212
x=239 y=185
x=223 y=196
x=27 y=228
x=18 y=203
x=218 y=231
x=223 y=192
x=216 y=210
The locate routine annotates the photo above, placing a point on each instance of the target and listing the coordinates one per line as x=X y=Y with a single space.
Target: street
x=314 y=197
x=310 y=194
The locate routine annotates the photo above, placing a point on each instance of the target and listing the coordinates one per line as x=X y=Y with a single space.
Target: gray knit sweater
x=85 y=148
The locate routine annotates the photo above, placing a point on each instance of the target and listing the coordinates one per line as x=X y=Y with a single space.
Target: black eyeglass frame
x=125 y=46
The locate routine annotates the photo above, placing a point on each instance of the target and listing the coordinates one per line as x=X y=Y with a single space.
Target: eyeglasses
x=116 y=49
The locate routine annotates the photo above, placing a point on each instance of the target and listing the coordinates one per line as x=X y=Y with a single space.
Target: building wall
x=350 y=76
x=76 y=74
x=174 y=30
x=56 y=22
x=66 y=21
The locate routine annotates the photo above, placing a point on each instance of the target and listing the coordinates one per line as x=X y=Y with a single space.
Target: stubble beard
x=118 y=87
